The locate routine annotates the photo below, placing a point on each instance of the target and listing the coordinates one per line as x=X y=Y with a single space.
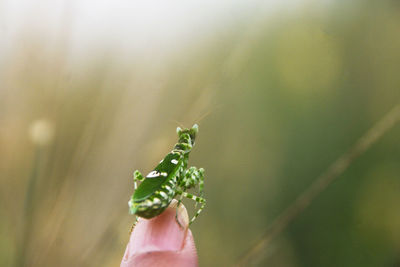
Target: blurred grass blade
x=255 y=252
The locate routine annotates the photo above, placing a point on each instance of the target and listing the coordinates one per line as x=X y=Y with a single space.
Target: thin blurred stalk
x=255 y=252
x=28 y=211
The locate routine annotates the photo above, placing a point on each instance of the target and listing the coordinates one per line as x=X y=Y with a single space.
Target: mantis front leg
x=137 y=177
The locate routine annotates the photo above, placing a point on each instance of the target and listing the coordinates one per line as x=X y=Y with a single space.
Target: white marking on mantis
x=174 y=161
x=164 y=174
x=163 y=194
x=153 y=174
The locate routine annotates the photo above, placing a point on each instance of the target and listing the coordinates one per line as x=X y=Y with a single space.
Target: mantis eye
x=178 y=130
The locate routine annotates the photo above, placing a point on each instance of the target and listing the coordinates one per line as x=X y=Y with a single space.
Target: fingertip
x=189 y=251
x=187 y=256
x=161 y=241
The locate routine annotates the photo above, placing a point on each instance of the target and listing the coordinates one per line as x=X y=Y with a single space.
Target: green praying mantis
x=169 y=179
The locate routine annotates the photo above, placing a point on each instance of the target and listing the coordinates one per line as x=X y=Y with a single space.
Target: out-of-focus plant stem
x=254 y=253
x=28 y=212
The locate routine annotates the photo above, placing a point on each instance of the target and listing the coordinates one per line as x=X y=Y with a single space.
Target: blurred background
x=92 y=90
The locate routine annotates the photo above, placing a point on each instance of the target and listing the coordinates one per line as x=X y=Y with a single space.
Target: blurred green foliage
x=286 y=95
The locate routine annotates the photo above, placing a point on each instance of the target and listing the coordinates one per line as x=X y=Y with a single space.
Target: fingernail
x=161 y=233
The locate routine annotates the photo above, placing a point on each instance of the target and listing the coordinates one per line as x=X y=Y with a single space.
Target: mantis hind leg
x=199 y=200
x=133 y=225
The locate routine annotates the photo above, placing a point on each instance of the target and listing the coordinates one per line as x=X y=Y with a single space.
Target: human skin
x=161 y=241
